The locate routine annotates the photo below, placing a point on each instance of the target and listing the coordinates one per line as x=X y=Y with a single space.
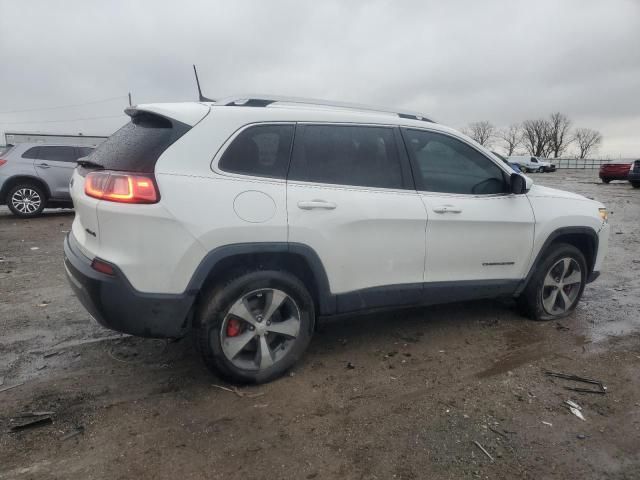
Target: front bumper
x=115 y=304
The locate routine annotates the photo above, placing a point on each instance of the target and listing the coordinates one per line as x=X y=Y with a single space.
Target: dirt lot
x=425 y=385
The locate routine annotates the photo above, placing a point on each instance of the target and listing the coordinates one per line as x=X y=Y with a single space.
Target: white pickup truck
x=532 y=164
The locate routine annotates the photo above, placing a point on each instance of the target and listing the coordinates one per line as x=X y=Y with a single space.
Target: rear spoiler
x=188 y=113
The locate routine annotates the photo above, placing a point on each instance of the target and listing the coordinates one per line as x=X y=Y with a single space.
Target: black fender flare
x=326 y=300
x=554 y=235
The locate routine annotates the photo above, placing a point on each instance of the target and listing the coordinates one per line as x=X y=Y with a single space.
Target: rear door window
x=364 y=156
x=137 y=146
x=57 y=153
x=31 y=153
x=260 y=150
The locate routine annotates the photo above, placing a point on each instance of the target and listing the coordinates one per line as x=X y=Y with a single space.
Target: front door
x=477 y=230
x=350 y=198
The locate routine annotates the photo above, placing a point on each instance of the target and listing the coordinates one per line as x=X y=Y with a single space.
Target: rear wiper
x=89 y=163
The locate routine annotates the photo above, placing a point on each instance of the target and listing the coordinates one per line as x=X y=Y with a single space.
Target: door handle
x=447 y=209
x=312 y=204
x=43 y=165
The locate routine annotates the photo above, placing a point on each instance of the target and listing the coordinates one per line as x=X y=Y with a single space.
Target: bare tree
x=536 y=137
x=482 y=132
x=588 y=141
x=511 y=136
x=559 y=138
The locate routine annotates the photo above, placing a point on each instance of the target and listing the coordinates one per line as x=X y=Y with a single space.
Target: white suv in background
x=527 y=163
x=248 y=218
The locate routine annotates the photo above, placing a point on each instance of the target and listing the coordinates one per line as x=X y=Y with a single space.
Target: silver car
x=34 y=176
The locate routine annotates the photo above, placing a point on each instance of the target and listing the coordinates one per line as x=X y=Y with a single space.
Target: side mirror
x=518 y=184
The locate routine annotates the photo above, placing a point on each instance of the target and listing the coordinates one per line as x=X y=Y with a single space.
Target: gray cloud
x=458 y=61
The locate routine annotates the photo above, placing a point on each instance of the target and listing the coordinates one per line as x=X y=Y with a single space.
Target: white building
x=13 y=138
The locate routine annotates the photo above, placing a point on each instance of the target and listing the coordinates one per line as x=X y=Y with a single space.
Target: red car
x=614 y=171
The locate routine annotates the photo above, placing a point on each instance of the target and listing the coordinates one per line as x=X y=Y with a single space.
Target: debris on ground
x=51 y=354
x=575 y=409
x=580 y=436
x=78 y=431
x=238 y=392
x=602 y=389
x=34 y=414
x=548 y=423
x=4 y=389
x=350 y=366
x=36 y=422
x=483 y=450
x=35 y=248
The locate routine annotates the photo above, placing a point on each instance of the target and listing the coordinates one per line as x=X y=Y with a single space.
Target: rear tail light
x=2 y=161
x=102 y=266
x=121 y=187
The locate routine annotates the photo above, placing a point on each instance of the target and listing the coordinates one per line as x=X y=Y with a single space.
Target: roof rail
x=266 y=100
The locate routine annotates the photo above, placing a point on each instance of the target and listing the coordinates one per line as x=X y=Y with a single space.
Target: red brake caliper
x=233 y=327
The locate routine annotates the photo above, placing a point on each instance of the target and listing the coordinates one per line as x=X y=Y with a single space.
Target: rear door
x=351 y=199
x=477 y=230
x=55 y=164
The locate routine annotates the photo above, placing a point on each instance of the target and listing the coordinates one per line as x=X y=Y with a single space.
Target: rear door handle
x=313 y=204
x=43 y=165
x=447 y=209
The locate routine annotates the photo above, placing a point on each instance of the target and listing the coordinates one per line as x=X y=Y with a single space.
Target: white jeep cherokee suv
x=247 y=219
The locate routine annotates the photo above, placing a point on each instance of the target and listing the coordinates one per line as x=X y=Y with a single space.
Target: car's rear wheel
x=26 y=200
x=557 y=284
x=256 y=327
x=606 y=180
x=541 y=170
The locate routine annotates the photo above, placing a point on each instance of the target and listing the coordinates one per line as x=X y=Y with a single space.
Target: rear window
x=137 y=146
x=58 y=153
x=262 y=151
x=31 y=153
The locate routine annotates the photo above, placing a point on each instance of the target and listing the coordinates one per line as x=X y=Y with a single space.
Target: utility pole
x=129 y=98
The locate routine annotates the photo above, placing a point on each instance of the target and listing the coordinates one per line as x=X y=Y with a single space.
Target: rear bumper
x=115 y=304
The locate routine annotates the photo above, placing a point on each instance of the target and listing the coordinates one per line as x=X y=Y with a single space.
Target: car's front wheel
x=557 y=284
x=256 y=327
x=26 y=200
x=541 y=170
x=635 y=184
x=606 y=180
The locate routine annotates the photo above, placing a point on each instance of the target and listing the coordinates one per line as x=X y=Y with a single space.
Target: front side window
x=534 y=159
x=261 y=150
x=347 y=155
x=445 y=164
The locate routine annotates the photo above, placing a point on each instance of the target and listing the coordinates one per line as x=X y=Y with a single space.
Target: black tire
x=635 y=184
x=530 y=301
x=541 y=170
x=216 y=305
x=15 y=194
x=606 y=180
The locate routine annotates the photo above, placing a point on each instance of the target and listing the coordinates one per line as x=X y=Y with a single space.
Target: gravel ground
x=401 y=395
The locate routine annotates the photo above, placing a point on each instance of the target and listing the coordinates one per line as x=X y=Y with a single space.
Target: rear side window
x=261 y=150
x=137 y=146
x=347 y=155
x=31 y=153
x=83 y=151
x=445 y=164
x=57 y=153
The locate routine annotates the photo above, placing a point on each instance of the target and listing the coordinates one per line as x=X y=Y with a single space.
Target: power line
x=61 y=121
x=120 y=97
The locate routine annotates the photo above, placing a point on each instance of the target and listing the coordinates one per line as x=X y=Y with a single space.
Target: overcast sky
x=456 y=61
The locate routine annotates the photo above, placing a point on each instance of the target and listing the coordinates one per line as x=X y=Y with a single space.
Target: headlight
x=604 y=215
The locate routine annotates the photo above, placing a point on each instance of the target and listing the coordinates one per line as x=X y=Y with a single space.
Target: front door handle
x=43 y=165
x=313 y=204
x=447 y=209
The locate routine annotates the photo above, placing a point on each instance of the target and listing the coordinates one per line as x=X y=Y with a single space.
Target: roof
x=278 y=101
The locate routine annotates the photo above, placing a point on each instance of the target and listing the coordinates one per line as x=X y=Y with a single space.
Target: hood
x=540 y=191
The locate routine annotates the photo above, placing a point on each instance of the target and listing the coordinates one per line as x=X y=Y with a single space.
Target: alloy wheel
x=561 y=286
x=26 y=200
x=260 y=328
